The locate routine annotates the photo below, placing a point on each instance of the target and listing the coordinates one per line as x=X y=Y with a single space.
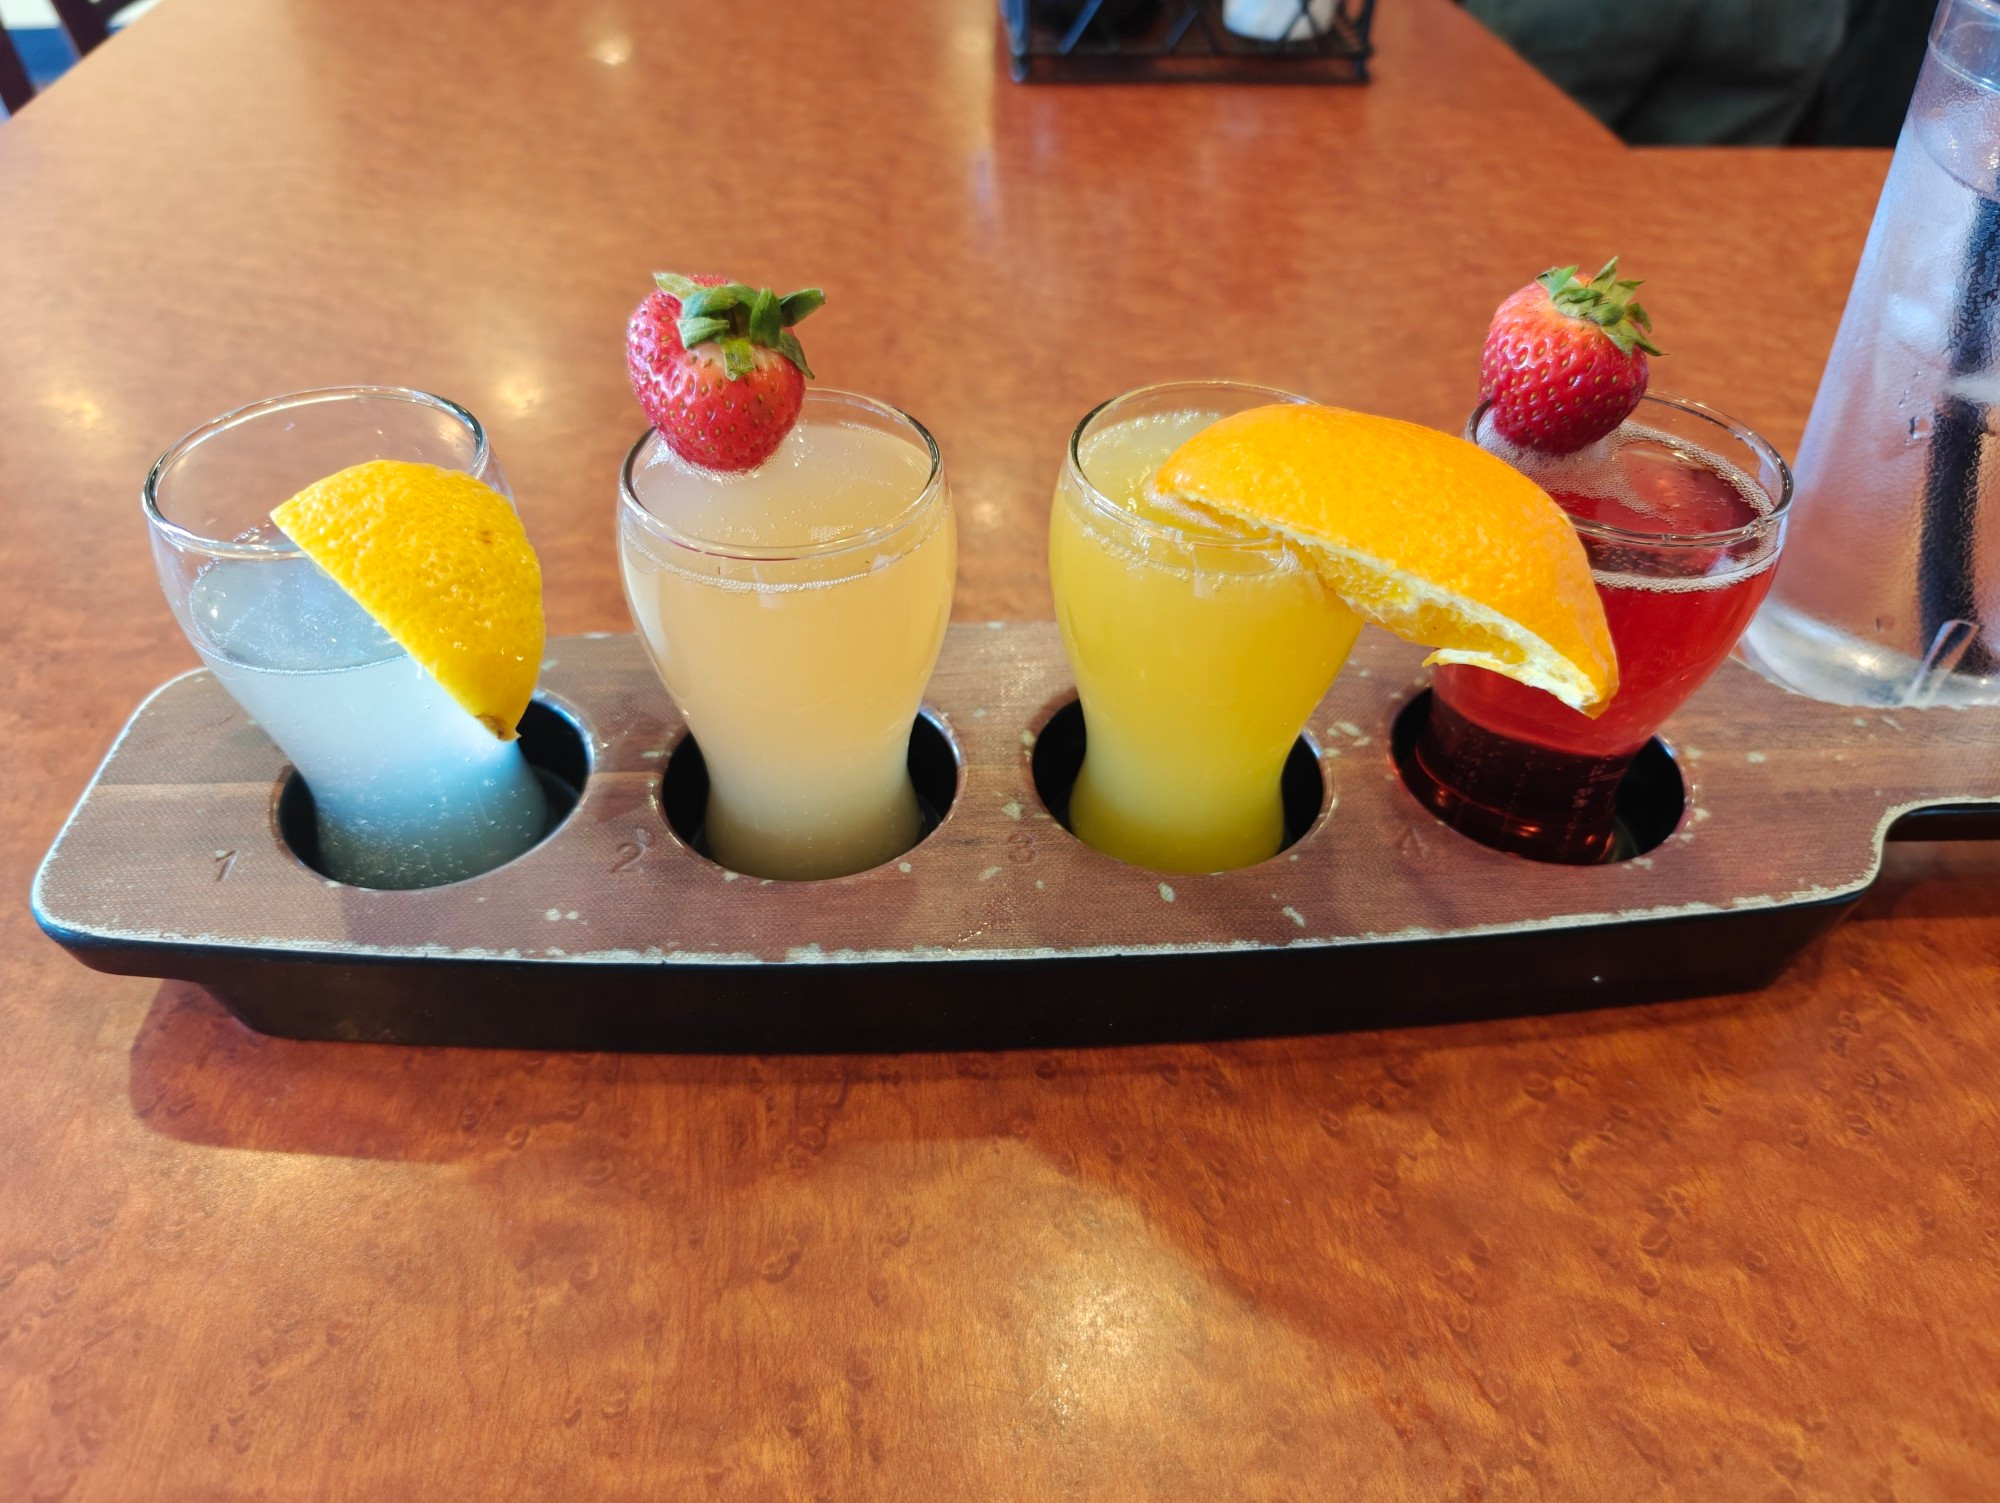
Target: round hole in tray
x=1651 y=800
x=1058 y=757
x=551 y=740
x=935 y=769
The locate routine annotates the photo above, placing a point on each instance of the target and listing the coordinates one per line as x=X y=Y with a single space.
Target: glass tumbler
x=1891 y=595
x=408 y=788
x=1681 y=513
x=1199 y=650
x=795 y=612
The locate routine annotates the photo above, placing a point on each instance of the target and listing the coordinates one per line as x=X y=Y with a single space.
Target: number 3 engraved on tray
x=630 y=851
x=225 y=863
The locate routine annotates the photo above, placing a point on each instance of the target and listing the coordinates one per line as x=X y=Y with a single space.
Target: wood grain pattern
x=614 y=932
x=1743 y=1249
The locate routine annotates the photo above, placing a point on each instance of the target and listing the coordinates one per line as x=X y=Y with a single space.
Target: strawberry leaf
x=766 y=322
x=709 y=302
x=790 y=348
x=1556 y=278
x=695 y=330
x=738 y=359
x=738 y=318
x=1606 y=301
x=796 y=305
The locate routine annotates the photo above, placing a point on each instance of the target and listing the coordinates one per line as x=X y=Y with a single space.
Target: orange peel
x=1420 y=532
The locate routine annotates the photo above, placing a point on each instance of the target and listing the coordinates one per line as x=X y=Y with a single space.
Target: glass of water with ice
x=408 y=789
x=1890 y=591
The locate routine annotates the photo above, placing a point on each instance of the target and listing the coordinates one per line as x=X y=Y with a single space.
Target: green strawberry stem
x=738 y=318
x=1604 y=300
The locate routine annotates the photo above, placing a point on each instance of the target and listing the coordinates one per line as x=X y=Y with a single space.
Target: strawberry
x=717 y=367
x=1565 y=361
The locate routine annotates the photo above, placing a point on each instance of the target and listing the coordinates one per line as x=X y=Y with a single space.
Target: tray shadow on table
x=1934 y=880
x=1353 y=1211
x=200 y=1076
x=1295 y=1211
x=1698 y=1201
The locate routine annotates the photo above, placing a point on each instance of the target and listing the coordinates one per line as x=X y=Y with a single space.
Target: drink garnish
x=1418 y=531
x=442 y=563
x=1565 y=359
x=717 y=367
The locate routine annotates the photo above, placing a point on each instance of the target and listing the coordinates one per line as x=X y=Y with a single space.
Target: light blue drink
x=408 y=788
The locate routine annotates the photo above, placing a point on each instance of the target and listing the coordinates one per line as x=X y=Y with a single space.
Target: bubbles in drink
x=826 y=481
x=285 y=614
x=1639 y=480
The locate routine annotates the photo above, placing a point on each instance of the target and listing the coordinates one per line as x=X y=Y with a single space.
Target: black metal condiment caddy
x=1158 y=41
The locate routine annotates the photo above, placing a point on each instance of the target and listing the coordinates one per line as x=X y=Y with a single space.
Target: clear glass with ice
x=1890 y=591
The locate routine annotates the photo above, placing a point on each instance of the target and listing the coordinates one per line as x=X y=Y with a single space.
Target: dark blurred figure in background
x=1727 y=72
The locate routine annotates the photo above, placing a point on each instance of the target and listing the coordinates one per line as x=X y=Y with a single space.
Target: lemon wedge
x=442 y=563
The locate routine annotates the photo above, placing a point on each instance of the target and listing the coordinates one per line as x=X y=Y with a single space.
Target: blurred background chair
x=88 y=22
x=41 y=39
x=16 y=88
x=1726 y=72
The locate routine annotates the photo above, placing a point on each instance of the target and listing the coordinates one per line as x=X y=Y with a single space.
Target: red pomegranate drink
x=1681 y=512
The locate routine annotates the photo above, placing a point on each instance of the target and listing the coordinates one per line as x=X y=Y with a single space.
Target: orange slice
x=443 y=565
x=1425 y=534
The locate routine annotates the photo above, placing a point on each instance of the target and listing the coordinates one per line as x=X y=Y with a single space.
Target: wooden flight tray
x=1000 y=928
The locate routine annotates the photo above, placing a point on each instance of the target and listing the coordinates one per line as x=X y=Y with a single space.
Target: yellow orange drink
x=1199 y=649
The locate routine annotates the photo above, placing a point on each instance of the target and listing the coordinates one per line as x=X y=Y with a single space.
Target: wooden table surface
x=1743 y=1248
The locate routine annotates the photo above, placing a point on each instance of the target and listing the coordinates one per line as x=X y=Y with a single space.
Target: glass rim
x=1938 y=32
x=926 y=498
x=187 y=539
x=1759 y=445
x=1990 y=7
x=1105 y=506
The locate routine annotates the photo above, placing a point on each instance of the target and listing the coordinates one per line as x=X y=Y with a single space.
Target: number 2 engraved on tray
x=225 y=863
x=630 y=851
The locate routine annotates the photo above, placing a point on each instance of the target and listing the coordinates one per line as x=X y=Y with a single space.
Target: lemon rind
x=498 y=713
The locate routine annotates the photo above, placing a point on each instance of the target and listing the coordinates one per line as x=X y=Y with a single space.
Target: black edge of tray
x=974 y=1004
x=1948 y=822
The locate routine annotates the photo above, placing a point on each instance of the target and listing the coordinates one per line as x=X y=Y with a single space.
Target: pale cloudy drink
x=795 y=611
